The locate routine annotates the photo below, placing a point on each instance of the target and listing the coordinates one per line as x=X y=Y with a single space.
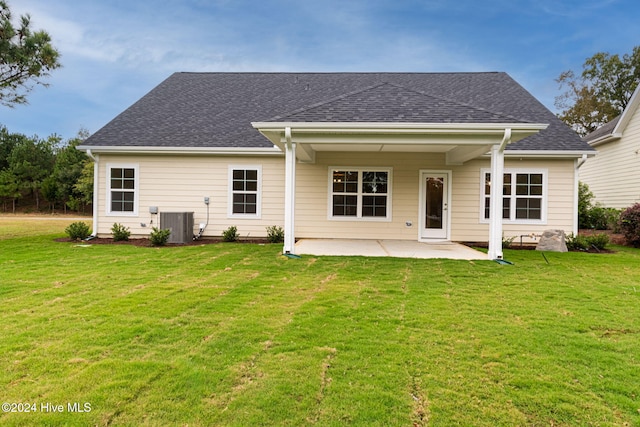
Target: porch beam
x=495 y=197
x=290 y=193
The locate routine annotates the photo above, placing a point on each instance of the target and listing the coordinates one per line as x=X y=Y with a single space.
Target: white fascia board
x=558 y=154
x=605 y=138
x=398 y=126
x=628 y=112
x=326 y=132
x=220 y=151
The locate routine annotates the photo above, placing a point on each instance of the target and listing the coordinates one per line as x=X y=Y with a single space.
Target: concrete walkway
x=388 y=248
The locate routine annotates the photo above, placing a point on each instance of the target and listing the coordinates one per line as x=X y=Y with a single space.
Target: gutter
x=221 y=151
x=605 y=138
x=96 y=169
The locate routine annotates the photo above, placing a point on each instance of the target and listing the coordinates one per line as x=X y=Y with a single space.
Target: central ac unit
x=180 y=224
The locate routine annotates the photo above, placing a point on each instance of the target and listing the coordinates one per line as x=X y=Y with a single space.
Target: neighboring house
x=614 y=174
x=410 y=156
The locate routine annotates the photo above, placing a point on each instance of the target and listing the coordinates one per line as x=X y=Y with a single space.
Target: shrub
x=601 y=218
x=593 y=215
x=77 y=230
x=576 y=242
x=507 y=242
x=630 y=225
x=585 y=203
x=275 y=234
x=598 y=241
x=230 y=234
x=159 y=237
x=120 y=232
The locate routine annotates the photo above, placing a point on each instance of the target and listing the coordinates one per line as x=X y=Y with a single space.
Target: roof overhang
x=605 y=138
x=550 y=154
x=460 y=142
x=219 y=151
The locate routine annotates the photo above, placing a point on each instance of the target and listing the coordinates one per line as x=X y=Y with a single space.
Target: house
x=614 y=174
x=415 y=156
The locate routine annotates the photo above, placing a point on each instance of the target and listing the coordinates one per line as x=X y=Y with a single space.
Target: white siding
x=614 y=174
x=312 y=204
x=180 y=183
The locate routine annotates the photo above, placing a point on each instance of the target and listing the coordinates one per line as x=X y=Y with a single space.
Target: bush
x=585 y=204
x=120 y=232
x=601 y=218
x=630 y=225
x=592 y=215
x=598 y=241
x=159 y=237
x=78 y=230
x=230 y=234
x=275 y=234
x=576 y=242
x=507 y=242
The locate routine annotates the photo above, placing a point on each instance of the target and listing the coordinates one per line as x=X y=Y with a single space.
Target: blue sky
x=115 y=51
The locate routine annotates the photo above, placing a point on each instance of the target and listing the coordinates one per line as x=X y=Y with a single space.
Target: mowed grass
x=238 y=335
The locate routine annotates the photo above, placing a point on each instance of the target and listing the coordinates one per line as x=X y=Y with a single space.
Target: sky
x=115 y=51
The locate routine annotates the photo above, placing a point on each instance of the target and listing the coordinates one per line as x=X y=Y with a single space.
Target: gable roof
x=372 y=105
x=615 y=128
x=215 y=110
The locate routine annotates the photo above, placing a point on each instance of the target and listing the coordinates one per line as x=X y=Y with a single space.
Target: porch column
x=495 y=197
x=289 y=192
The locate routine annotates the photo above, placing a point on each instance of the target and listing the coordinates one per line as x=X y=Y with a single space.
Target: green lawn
x=236 y=334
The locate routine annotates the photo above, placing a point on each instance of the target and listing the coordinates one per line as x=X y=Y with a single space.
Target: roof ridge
x=396 y=85
x=464 y=104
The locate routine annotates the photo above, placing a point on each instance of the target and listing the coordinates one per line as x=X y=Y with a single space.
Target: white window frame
x=512 y=211
x=136 y=189
x=258 y=192
x=360 y=194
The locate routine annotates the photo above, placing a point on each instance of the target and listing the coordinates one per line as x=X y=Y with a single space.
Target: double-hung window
x=360 y=193
x=524 y=194
x=122 y=190
x=244 y=191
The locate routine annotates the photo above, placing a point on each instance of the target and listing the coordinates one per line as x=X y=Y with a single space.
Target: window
x=360 y=193
x=245 y=191
x=523 y=195
x=122 y=189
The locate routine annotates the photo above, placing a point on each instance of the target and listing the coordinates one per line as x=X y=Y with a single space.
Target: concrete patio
x=387 y=248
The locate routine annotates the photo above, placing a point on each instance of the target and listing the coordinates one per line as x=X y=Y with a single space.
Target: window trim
x=359 y=217
x=136 y=189
x=513 y=172
x=258 y=192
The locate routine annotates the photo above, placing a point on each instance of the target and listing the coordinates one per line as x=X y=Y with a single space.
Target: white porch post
x=495 y=197
x=289 y=193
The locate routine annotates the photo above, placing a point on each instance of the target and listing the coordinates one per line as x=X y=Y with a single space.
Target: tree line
x=45 y=174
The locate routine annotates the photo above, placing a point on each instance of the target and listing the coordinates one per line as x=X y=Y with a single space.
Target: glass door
x=434 y=205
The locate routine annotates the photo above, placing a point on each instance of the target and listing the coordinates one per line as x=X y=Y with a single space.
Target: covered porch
x=456 y=144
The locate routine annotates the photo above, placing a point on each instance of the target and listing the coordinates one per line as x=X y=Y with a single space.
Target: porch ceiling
x=460 y=142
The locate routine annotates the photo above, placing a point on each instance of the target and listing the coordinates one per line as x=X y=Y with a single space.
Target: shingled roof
x=216 y=109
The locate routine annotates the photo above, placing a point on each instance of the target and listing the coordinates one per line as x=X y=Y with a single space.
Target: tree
x=67 y=170
x=84 y=186
x=26 y=57
x=600 y=93
x=9 y=188
x=31 y=161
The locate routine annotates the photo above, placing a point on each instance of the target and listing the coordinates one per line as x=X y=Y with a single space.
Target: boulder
x=552 y=241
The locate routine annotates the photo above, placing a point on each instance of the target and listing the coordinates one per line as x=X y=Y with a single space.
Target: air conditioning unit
x=180 y=224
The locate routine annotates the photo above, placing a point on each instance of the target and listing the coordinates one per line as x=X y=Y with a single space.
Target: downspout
x=96 y=161
x=497 y=182
x=290 y=193
x=576 y=189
